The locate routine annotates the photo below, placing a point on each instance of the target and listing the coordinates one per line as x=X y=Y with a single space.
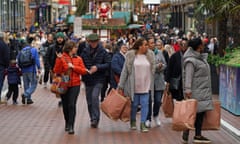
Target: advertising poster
x=230 y=89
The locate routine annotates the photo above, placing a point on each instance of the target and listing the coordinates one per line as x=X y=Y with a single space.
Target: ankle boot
x=143 y=127
x=71 y=130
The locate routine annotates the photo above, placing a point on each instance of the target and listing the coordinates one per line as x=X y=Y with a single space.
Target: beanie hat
x=60 y=34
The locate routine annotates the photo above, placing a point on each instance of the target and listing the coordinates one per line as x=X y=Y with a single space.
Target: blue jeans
x=29 y=83
x=156 y=104
x=1 y=79
x=92 y=95
x=143 y=100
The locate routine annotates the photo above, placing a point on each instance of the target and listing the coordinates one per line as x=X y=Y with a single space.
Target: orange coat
x=61 y=66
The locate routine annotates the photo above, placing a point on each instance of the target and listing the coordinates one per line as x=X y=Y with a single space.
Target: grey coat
x=159 y=82
x=201 y=79
x=127 y=78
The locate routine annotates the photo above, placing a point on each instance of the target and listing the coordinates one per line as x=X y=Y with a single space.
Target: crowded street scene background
x=139 y=57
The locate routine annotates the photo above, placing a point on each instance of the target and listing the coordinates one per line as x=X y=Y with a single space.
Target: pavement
x=43 y=123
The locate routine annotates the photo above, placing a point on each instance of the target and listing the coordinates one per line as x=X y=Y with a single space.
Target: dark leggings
x=198 y=123
x=12 y=90
x=69 y=101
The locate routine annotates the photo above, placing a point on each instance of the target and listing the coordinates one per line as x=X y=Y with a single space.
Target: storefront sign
x=151 y=1
x=32 y=5
x=190 y=12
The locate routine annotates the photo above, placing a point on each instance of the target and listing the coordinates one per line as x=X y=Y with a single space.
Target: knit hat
x=93 y=37
x=60 y=34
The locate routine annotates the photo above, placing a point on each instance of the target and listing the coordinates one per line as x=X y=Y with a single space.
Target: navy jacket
x=14 y=74
x=116 y=67
x=101 y=59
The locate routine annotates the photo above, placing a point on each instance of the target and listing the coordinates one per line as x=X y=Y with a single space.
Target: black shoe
x=185 y=136
x=201 y=139
x=23 y=99
x=94 y=124
x=66 y=127
x=71 y=131
x=29 y=101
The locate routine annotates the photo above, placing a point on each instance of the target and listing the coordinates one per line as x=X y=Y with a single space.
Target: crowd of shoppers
x=141 y=65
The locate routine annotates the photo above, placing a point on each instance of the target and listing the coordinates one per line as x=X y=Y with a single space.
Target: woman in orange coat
x=69 y=62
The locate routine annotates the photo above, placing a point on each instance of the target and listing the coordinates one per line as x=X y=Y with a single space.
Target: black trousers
x=69 y=101
x=46 y=76
x=198 y=123
x=12 y=90
x=105 y=87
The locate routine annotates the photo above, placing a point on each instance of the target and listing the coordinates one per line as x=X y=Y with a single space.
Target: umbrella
x=134 y=26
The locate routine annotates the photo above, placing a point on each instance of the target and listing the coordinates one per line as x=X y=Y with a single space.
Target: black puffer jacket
x=51 y=54
x=101 y=59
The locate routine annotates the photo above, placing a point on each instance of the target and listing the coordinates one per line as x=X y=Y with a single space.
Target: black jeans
x=157 y=102
x=12 y=90
x=198 y=123
x=105 y=87
x=69 y=101
x=46 y=75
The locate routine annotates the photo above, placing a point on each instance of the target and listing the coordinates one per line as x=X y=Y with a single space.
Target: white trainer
x=45 y=85
x=157 y=121
x=148 y=123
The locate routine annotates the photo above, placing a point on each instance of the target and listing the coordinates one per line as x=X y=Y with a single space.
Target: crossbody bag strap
x=69 y=69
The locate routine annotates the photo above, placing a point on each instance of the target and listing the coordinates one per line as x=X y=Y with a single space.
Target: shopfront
x=10 y=10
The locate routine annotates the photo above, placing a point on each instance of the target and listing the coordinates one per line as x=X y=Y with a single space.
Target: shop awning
x=64 y=2
x=135 y=26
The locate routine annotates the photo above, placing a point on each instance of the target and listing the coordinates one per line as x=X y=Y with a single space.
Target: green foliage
x=81 y=7
x=231 y=58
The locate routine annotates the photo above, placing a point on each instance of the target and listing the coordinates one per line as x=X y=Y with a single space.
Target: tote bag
x=60 y=84
x=113 y=104
x=184 y=115
x=212 y=118
x=125 y=115
x=167 y=104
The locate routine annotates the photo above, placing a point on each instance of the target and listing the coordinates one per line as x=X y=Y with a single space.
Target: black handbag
x=174 y=83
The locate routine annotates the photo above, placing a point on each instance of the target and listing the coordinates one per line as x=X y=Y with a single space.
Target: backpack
x=25 y=58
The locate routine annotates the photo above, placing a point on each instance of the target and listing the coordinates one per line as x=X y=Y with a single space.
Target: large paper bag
x=212 y=118
x=125 y=115
x=184 y=115
x=113 y=104
x=167 y=104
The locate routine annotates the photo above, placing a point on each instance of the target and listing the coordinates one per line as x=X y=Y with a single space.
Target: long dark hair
x=138 y=43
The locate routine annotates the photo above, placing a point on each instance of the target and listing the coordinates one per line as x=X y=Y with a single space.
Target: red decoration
x=64 y=2
x=104 y=12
